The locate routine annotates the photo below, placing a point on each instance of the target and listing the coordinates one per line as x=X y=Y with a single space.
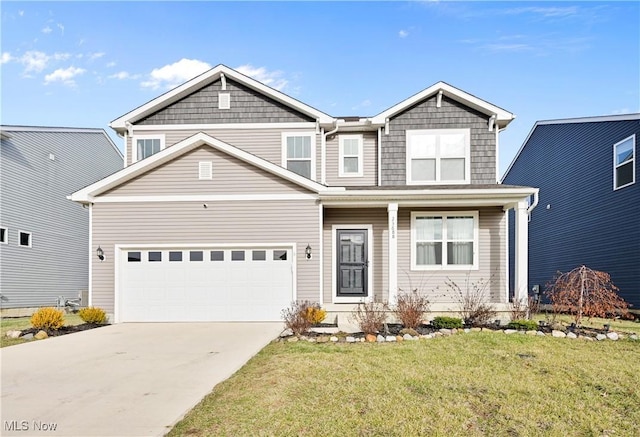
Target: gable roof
x=503 y=117
x=210 y=76
x=578 y=120
x=87 y=194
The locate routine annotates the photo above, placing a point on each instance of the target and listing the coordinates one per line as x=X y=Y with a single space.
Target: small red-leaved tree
x=585 y=292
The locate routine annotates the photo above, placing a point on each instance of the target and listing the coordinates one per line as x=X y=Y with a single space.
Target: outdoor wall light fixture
x=100 y=253
x=307 y=252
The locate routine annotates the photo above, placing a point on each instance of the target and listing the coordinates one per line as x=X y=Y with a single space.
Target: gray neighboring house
x=44 y=236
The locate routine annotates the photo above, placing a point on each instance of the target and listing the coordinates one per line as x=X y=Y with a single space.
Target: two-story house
x=237 y=199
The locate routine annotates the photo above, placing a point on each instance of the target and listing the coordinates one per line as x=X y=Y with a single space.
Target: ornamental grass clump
x=93 y=315
x=48 y=319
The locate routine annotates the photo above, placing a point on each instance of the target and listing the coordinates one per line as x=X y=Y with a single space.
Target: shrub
x=298 y=316
x=519 y=310
x=523 y=325
x=93 y=315
x=411 y=308
x=474 y=307
x=446 y=322
x=48 y=319
x=370 y=316
x=315 y=314
x=585 y=292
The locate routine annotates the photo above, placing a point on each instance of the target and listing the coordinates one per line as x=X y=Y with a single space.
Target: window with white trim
x=350 y=155
x=444 y=240
x=4 y=235
x=298 y=153
x=624 y=162
x=24 y=238
x=146 y=145
x=440 y=156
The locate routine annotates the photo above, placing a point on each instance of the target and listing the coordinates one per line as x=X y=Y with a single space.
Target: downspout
x=379 y=156
x=534 y=204
x=325 y=135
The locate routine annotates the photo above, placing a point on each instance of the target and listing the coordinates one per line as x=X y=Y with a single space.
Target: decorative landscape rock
x=445 y=331
x=399 y=338
x=531 y=332
x=27 y=337
x=13 y=334
x=408 y=337
x=350 y=339
x=558 y=334
x=292 y=339
x=380 y=339
x=333 y=339
x=510 y=331
x=540 y=333
x=371 y=338
x=601 y=337
x=323 y=339
x=390 y=338
x=612 y=336
x=633 y=337
x=571 y=335
x=41 y=335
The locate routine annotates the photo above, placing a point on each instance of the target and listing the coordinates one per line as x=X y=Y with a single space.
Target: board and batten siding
x=377 y=217
x=451 y=115
x=264 y=143
x=221 y=224
x=491 y=261
x=38 y=169
x=247 y=106
x=370 y=161
x=230 y=176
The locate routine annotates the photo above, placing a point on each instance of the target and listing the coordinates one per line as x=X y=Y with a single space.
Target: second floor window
x=145 y=146
x=297 y=154
x=624 y=162
x=350 y=156
x=440 y=156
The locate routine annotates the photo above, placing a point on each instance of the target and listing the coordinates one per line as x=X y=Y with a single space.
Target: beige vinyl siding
x=491 y=266
x=230 y=176
x=264 y=143
x=370 y=158
x=184 y=223
x=365 y=216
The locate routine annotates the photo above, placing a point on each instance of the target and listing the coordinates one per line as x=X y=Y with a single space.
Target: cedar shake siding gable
x=230 y=176
x=247 y=106
x=451 y=115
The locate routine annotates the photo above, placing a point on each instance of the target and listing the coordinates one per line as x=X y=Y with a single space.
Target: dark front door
x=352 y=262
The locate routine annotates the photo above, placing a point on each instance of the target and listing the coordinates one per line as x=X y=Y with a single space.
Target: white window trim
x=312 y=136
x=30 y=238
x=444 y=215
x=6 y=235
x=334 y=264
x=360 y=156
x=467 y=157
x=134 y=145
x=633 y=162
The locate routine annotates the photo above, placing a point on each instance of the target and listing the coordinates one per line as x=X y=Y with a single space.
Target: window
x=259 y=255
x=24 y=238
x=196 y=255
x=298 y=152
x=217 y=255
x=145 y=146
x=440 y=156
x=4 y=235
x=134 y=257
x=175 y=256
x=155 y=256
x=350 y=164
x=444 y=240
x=279 y=255
x=624 y=167
x=237 y=255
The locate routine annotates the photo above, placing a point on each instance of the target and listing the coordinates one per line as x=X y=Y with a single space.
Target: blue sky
x=86 y=63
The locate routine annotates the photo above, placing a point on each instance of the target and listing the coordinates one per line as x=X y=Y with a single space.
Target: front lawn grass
x=468 y=384
x=22 y=323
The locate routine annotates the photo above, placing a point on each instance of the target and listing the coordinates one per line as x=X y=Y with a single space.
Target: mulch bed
x=65 y=329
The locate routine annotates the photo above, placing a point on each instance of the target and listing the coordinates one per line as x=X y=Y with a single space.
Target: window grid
x=438 y=156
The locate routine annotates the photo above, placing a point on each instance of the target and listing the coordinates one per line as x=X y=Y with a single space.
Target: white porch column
x=521 y=255
x=392 y=210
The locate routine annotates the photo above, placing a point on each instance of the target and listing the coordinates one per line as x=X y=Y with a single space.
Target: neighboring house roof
x=503 y=117
x=579 y=120
x=4 y=129
x=87 y=194
x=210 y=76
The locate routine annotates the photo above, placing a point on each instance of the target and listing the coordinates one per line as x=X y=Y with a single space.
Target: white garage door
x=196 y=284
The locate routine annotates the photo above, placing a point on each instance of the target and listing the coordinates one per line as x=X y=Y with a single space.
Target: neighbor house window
x=145 y=146
x=439 y=156
x=350 y=156
x=24 y=238
x=444 y=240
x=4 y=235
x=298 y=151
x=624 y=162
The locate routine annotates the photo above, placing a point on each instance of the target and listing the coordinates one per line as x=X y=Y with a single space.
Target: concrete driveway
x=134 y=379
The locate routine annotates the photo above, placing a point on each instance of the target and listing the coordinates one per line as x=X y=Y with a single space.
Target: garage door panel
x=231 y=284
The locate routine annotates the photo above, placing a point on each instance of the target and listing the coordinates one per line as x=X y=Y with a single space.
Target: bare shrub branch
x=411 y=308
x=370 y=316
x=301 y=315
x=473 y=304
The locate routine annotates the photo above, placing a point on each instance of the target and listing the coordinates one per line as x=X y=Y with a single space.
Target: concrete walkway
x=135 y=379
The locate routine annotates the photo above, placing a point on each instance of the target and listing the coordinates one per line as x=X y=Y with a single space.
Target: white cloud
x=175 y=74
x=34 y=61
x=6 y=57
x=111 y=64
x=94 y=56
x=272 y=78
x=403 y=34
x=122 y=75
x=547 y=12
x=47 y=30
x=64 y=75
x=61 y=27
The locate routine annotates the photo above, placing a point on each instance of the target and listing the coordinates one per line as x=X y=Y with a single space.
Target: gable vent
x=224 y=101
x=205 y=170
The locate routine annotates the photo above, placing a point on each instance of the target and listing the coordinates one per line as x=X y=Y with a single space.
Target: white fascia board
x=87 y=194
x=503 y=117
x=205 y=78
